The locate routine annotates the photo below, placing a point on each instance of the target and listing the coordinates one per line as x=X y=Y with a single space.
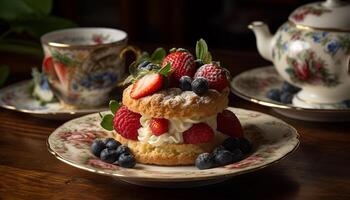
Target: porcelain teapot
x=312 y=51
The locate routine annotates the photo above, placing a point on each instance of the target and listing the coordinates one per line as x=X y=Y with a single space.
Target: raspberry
x=126 y=123
x=228 y=124
x=215 y=75
x=159 y=126
x=198 y=133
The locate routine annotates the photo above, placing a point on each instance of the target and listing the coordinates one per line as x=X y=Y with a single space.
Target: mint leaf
x=202 y=52
x=107 y=122
x=166 y=70
x=158 y=55
x=114 y=106
x=4 y=72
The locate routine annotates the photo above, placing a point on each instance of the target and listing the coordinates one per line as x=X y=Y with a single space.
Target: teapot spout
x=263 y=39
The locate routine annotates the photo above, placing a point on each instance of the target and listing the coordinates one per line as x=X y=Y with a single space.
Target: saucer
x=272 y=141
x=18 y=97
x=253 y=85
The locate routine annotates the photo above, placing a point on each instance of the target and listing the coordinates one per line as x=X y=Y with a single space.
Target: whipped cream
x=176 y=127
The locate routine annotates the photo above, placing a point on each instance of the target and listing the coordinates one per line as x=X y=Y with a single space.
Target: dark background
x=223 y=23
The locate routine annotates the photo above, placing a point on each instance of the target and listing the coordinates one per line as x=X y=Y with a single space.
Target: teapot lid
x=329 y=15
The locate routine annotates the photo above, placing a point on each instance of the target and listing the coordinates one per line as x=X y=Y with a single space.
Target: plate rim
x=272 y=104
x=177 y=179
x=42 y=112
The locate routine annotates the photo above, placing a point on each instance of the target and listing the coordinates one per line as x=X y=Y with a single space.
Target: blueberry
x=231 y=144
x=126 y=160
x=204 y=161
x=223 y=157
x=122 y=149
x=217 y=149
x=97 y=146
x=108 y=156
x=112 y=143
x=286 y=97
x=287 y=87
x=143 y=64
x=200 y=86
x=347 y=103
x=244 y=145
x=185 y=83
x=274 y=94
x=237 y=155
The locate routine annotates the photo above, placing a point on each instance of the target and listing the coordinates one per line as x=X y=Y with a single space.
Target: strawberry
x=159 y=126
x=228 y=124
x=198 y=133
x=182 y=64
x=126 y=123
x=215 y=75
x=147 y=85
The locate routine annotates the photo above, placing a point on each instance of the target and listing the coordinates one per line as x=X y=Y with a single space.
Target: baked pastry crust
x=169 y=154
x=174 y=103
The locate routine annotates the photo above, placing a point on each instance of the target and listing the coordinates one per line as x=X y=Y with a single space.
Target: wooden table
x=320 y=169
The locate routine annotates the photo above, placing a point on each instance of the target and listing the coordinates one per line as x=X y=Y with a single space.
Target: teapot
x=312 y=51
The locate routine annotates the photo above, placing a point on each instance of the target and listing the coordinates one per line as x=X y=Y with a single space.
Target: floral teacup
x=84 y=64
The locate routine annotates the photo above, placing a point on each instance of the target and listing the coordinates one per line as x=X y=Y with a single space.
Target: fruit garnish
x=126 y=123
x=200 y=86
x=198 y=133
x=185 y=83
x=204 y=161
x=127 y=160
x=159 y=126
x=202 y=53
x=146 y=85
x=215 y=75
x=228 y=124
x=182 y=64
x=111 y=143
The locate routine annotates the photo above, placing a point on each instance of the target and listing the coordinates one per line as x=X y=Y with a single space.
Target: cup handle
x=133 y=49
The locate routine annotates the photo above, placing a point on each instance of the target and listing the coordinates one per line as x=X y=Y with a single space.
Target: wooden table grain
x=319 y=169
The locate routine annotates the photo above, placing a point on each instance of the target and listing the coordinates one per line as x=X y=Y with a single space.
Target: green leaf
x=14 y=9
x=4 y=73
x=158 y=55
x=107 y=122
x=202 y=52
x=166 y=70
x=114 y=106
x=20 y=46
x=40 y=6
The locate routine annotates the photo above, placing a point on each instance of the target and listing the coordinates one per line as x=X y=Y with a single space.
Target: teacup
x=84 y=65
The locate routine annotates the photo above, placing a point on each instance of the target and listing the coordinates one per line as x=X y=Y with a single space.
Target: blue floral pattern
x=332 y=47
x=99 y=80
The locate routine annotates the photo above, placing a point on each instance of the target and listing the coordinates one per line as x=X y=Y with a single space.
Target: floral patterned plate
x=253 y=85
x=272 y=140
x=18 y=97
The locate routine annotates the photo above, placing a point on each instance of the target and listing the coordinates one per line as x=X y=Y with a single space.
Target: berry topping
x=97 y=146
x=198 y=133
x=108 y=156
x=231 y=143
x=223 y=157
x=228 y=124
x=126 y=160
x=274 y=94
x=126 y=123
x=144 y=64
x=215 y=75
x=123 y=149
x=244 y=145
x=159 y=126
x=147 y=65
x=200 y=86
x=182 y=64
x=204 y=161
x=147 y=85
x=111 y=143
x=185 y=83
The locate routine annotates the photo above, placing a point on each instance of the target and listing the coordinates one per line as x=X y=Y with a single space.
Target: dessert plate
x=272 y=140
x=253 y=85
x=18 y=97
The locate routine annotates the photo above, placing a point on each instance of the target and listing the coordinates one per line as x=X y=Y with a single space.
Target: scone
x=174 y=110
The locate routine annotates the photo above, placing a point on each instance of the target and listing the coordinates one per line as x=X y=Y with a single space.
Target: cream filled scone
x=175 y=109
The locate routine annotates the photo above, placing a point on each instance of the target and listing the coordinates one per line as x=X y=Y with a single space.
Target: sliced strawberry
x=159 y=126
x=182 y=64
x=147 y=85
x=228 y=124
x=198 y=133
x=62 y=72
x=216 y=76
